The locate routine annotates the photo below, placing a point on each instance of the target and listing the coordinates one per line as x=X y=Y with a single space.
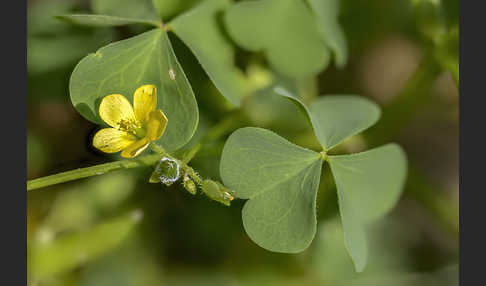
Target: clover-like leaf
x=327 y=12
x=369 y=184
x=133 y=9
x=336 y=117
x=285 y=30
x=104 y=20
x=199 y=29
x=280 y=180
x=122 y=67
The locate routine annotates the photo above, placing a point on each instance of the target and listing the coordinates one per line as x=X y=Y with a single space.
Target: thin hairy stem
x=91 y=171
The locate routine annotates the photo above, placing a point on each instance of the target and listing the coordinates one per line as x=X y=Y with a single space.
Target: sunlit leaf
x=280 y=180
x=369 y=184
x=327 y=12
x=285 y=30
x=199 y=29
x=122 y=67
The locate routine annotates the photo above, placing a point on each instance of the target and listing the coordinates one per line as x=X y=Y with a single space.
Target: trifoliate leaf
x=280 y=180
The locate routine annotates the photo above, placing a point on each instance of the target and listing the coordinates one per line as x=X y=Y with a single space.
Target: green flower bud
x=167 y=172
x=217 y=192
x=189 y=185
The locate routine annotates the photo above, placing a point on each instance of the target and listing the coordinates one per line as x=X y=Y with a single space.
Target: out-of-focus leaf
x=122 y=67
x=285 y=30
x=327 y=12
x=37 y=154
x=103 y=20
x=369 y=184
x=199 y=29
x=52 y=44
x=79 y=206
x=280 y=180
x=133 y=263
x=40 y=17
x=133 y=9
x=111 y=189
x=329 y=257
x=72 y=210
x=169 y=8
x=71 y=250
x=386 y=258
x=46 y=54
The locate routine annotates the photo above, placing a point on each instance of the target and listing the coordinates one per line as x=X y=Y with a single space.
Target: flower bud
x=166 y=172
x=189 y=185
x=217 y=192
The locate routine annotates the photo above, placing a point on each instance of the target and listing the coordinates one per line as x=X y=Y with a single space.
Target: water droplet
x=172 y=74
x=137 y=215
x=168 y=170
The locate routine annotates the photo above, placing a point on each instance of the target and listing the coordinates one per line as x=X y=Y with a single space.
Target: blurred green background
x=117 y=229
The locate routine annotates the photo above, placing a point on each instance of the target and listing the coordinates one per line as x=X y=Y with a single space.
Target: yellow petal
x=117 y=111
x=144 y=101
x=156 y=125
x=136 y=148
x=111 y=140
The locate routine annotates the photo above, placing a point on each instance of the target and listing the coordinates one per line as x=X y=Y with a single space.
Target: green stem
x=91 y=171
x=158 y=149
x=217 y=131
x=191 y=153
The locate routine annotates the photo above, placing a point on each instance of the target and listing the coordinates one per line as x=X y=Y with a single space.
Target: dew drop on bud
x=167 y=171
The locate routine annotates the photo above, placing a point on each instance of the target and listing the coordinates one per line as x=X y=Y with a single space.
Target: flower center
x=132 y=127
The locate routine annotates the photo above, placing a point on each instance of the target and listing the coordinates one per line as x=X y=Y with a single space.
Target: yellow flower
x=133 y=128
